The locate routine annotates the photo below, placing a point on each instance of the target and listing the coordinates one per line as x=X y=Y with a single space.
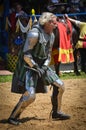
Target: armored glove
x=44 y=67
x=40 y=71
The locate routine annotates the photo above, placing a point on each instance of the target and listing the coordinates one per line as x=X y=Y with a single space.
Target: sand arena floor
x=36 y=116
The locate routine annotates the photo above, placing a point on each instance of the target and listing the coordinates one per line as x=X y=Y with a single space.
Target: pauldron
x=31 y=41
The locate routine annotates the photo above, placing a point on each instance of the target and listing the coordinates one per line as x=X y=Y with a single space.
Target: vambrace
x=29 y=60
x=46 y=63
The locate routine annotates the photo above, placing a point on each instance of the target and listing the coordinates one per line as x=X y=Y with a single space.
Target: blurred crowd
x=42 y=5
x=22 y=9
x=55 y=6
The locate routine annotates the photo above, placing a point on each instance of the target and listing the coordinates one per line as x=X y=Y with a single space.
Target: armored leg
x=58 y=90
x=26 y=99
x=56 y=99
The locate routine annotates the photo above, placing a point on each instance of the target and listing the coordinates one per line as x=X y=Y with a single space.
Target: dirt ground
x=36 y=116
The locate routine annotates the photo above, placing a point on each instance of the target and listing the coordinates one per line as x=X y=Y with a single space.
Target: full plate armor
x=36 y=52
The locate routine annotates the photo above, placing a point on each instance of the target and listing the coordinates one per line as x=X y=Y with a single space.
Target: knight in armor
x=33 y=73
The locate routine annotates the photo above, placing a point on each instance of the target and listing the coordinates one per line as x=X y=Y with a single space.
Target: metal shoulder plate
x=33 y=33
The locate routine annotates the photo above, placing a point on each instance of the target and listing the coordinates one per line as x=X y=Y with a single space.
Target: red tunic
x=65 y=52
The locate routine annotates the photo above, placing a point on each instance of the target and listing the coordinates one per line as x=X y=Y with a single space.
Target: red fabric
x=65 y=43
x=84 y=43
x=13 y=21
x=64 y=38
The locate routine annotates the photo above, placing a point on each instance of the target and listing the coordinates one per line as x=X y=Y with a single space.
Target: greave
x=56 y=98
x=17 y=110
x=24 y=101
x=60 y=98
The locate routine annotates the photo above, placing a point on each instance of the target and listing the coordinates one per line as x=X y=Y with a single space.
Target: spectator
x=81 y=42
x=19 y=11
x=55 y=6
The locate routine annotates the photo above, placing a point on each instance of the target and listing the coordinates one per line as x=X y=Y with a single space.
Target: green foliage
x=64 y=76
x=72 y=75
x=5 y=78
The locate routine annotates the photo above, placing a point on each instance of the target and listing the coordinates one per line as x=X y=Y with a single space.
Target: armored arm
x=47 y=61
x=31 y=41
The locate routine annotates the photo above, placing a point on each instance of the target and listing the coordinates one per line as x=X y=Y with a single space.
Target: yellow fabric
x=63 y=51
x=82 y=34
x=17 y=26
x=30 y=22
x=67 y=54
x=79 y=45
